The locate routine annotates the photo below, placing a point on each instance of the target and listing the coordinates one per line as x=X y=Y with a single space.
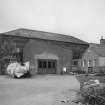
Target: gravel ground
x=39 y=90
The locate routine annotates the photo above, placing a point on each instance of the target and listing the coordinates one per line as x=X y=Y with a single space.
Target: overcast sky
x=84 y=19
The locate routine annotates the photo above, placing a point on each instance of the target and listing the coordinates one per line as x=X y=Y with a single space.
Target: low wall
x=99 y=69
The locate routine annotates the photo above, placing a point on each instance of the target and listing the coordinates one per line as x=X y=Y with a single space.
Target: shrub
x=93 y=94
x=79 y=72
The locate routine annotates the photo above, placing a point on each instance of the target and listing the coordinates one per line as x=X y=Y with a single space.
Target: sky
x=84 y=19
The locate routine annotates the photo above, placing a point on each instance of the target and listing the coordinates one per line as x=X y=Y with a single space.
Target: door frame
x=47 y=68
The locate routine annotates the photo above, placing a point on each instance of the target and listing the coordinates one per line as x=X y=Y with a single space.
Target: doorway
x=47 y=66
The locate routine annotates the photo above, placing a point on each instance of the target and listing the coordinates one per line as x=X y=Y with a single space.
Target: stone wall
x=43 y=49
x=89 y=55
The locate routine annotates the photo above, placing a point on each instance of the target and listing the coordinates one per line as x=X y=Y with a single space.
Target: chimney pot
x=102 y=41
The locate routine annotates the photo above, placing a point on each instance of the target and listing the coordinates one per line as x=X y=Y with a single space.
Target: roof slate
x=44 y=35
x=99 y=49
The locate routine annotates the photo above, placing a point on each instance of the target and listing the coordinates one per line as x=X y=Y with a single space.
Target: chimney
x=102 y=41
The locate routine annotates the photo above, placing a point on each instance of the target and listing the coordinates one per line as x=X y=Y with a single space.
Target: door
x=46 y=66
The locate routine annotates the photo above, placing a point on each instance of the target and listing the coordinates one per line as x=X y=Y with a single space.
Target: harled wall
x=43 y=49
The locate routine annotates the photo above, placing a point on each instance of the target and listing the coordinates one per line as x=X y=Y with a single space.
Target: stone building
x=93 y=59
x=48 y=53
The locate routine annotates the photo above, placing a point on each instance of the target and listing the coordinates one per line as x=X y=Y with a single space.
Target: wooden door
x=46 y=66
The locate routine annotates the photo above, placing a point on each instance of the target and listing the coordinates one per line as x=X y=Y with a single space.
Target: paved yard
x=39 y=90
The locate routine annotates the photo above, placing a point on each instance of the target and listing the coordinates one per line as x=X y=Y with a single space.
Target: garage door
x=46 y=66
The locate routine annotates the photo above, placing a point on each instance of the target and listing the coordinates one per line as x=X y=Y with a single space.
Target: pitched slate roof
x=44 y=35
x=99 y=49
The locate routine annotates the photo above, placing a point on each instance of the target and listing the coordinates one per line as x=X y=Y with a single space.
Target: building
x=48 y=53
x=93 y=59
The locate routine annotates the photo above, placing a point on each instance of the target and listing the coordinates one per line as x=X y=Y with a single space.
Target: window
x=53 y=65
x=49 y=65
x=40 y=64
x=44 y=64
x=75 y=63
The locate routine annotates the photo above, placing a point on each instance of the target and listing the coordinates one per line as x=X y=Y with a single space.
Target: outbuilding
x=48 y=53
x=93 y=60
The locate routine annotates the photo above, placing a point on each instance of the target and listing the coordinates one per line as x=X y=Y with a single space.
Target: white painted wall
x=101 y=61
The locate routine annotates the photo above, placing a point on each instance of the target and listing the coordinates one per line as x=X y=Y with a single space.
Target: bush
x=79 y=72
x=92 y=93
